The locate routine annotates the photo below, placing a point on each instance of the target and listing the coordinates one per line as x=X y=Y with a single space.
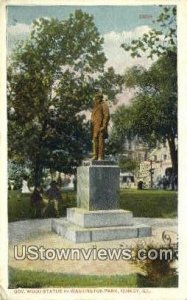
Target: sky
x=117 y=24
x=107 y=18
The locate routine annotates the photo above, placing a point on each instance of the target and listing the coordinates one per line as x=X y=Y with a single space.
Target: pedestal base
x=83 y=226
x=98 y=217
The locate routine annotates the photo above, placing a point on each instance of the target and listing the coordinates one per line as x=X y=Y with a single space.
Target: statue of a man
x=99 y=122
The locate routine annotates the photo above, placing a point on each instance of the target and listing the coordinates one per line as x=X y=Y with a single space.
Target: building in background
x=136 y=150
x=156 y=170
x=155 y=166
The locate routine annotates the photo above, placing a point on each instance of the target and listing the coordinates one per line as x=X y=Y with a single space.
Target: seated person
x=54 y=196
x=37 y=201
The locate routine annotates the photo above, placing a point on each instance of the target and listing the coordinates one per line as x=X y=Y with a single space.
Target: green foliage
x=159 y=267
x=18 y=172
x=152 y=115
x=122 y=123
x=157 y=42
x=122 y=129
x=110 y=83
x=51 y=80
x=127 y=164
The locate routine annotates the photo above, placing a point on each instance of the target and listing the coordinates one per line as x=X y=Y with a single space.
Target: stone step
x=99 y=218
x=79 y=234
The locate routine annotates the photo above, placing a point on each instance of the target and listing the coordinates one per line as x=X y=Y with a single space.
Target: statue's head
x=98 y=98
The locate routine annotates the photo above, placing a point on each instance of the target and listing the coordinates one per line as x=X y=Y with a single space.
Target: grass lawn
x=149 y=203
x=143 y=203
x=32 y=279
x=19 y=206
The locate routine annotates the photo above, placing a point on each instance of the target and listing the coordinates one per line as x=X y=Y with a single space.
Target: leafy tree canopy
x=157 y=42
x=127 y=165
x=153 y=113
x=51 y=80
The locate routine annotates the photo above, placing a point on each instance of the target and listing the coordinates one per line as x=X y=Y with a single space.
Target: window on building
x=164 y=156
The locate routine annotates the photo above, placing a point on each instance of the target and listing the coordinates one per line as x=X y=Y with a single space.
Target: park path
x=21 y=230
x=38 y=232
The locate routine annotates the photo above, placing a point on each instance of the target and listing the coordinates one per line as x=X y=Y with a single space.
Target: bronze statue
x=99 y=123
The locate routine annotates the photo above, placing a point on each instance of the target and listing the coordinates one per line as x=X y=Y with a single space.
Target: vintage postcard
x=93 y=131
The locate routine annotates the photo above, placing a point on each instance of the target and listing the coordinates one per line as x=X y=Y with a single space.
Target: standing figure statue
x=99 y=122
x=25 y=188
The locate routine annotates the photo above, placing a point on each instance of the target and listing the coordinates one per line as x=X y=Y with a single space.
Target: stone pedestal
x=98 y=186
x=98 y=217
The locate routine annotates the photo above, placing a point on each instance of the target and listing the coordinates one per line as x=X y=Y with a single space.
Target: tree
x=18 y=172
x=51 y=80
x=153 y=113
x=127 y=164
x=160 y=40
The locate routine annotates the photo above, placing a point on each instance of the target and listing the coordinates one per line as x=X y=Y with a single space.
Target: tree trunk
x=174 y=159
x=37 y=174
x=38 y=169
